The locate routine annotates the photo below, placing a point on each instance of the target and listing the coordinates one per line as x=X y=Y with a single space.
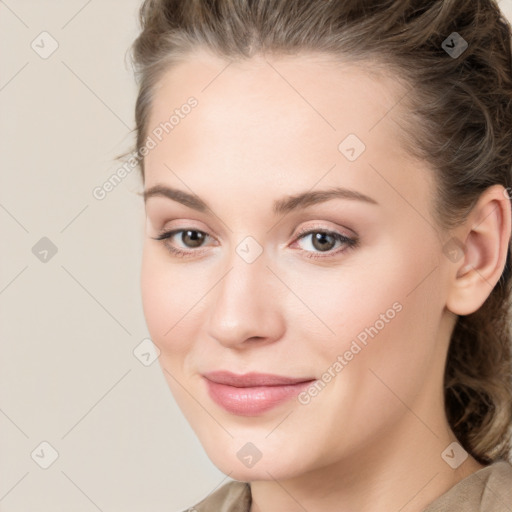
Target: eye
x=324 y=241
x=191 y=238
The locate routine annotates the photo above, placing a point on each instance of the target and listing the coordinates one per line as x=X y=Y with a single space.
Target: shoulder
x=487 y=490
x=231 y=497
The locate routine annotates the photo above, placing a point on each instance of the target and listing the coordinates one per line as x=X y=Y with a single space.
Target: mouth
x=253 y=393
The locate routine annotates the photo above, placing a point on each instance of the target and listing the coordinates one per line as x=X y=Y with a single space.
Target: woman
x=326 y=271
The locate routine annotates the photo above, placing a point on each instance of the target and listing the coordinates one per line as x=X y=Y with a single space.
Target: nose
x=246 y=305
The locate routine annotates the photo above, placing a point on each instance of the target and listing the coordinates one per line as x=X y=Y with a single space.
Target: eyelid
x=322 y=227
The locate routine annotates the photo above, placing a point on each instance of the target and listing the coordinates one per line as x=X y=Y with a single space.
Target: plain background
x=70 y=324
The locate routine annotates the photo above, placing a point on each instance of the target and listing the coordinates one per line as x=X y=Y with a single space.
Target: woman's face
x=356 y=316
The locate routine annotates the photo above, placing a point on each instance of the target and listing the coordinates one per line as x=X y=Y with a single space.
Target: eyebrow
x=280 y=206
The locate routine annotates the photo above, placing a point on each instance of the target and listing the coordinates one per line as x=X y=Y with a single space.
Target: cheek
x=385 y=315
x=168 y=301
x=395 y=321
x=349 y=298
x=167 y=296
x=378 y=306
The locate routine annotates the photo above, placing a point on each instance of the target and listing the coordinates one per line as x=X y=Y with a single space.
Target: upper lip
x=253 y=379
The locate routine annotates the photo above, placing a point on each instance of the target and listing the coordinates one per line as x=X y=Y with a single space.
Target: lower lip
x=255 y=400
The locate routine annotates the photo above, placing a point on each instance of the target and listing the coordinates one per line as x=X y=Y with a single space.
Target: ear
x=483 y=243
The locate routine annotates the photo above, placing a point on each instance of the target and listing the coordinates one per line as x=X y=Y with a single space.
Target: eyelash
x=349 y=243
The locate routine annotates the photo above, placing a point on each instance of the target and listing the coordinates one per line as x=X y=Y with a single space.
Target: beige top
x=487 y=490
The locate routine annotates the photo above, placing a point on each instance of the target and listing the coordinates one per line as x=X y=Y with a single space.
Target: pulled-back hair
x=457 y=117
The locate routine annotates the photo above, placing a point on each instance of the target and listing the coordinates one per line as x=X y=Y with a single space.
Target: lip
x=252 y=393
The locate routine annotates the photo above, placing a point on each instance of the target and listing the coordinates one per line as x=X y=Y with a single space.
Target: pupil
x=320 y=238
x=196 y=239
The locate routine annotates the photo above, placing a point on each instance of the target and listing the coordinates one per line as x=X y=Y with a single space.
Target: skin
x=372 y=439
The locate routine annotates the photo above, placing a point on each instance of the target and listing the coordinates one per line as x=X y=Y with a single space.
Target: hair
x=457 y=117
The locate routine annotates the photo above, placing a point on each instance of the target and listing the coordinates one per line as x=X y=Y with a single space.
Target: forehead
x=277 y=123
x=276 y=103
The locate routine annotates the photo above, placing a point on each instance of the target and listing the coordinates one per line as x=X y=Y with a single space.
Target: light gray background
x=69 y=326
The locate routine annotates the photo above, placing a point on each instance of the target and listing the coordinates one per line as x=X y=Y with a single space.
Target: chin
x=268 y=462
x=268 y=470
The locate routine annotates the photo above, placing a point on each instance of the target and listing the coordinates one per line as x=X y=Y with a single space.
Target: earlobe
x=485 y=237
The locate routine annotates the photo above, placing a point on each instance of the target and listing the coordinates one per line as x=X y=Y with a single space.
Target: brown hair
x=458 y=119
